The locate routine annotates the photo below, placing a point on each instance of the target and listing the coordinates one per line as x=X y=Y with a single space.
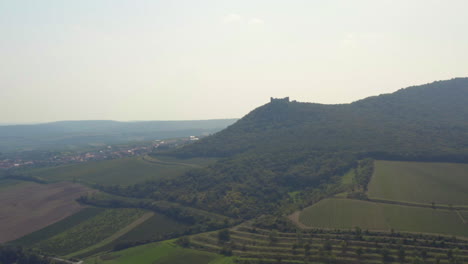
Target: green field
x=58 y=227
x=347 y=213
x=160 y=253
x=124 y=171
x=90 y=232
x=348 y=178
x=154 y=228
x=420 y=182
x=464 y=215
x=8 y=183
x=255 y=245
x=157 y=226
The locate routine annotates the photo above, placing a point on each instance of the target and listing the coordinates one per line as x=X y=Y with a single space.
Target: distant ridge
x=65 y=134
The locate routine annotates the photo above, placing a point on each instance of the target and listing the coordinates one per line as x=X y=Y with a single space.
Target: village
x=20 y=160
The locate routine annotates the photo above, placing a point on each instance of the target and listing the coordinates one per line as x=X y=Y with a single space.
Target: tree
x=327 y=246
x=359 y=252
x=401 y=255
x=417 y=260
x=223 y=236
x=294 y=248
x=386 y=257
x=226 y=251
x=358 y=233
x=306 y=249
x=423 y=254
x=344 y=246
x=273 y=236
x=450 y=254
x=183 y=241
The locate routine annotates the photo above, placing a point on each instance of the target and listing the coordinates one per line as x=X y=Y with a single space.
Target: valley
x=290 y=182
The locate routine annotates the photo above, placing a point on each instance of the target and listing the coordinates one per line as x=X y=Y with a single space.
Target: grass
x=90 y=232
x=160 y=253
x=153 y=228
x=124 y=171
x=420 y=182
x=4 y=184
x=464 y=214
x=347 y=214
x=348 y=178
x=192 y=162
x=109 y=240
x=58 y=227
x=255 y=244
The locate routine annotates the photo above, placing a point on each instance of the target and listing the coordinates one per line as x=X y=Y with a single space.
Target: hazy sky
x=172 y=60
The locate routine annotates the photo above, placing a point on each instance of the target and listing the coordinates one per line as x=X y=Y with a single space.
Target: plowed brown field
x=29 y=207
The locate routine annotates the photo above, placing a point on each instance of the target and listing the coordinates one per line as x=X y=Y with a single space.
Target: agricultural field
x=28 y=207
x=157 y=226
x=250 y=244
x=90 y=232
x=347 y=214
x=58 y=227
x=8 y=183
x=159 y=253
x=124 y=171
x=420 y=182
x=348 y=178
x=464 y=215
x=192 y=162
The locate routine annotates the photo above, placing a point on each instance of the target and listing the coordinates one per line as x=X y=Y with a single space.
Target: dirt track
x=29 y=207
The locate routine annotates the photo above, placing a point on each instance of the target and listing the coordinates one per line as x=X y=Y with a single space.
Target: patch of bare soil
x=29 y=207
x=294 y=217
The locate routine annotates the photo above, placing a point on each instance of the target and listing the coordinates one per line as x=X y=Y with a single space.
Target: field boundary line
x=461 y=217
x=442 y=207
x=116 y=235
x=157 y=161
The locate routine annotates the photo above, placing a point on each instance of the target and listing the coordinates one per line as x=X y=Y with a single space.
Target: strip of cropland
x=28 y=207
x=420 y=182
x=248 y=244
x=348 y=213
x=160 y=253
x=125 y=171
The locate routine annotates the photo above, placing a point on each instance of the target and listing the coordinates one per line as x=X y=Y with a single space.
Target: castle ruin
x=279 y=100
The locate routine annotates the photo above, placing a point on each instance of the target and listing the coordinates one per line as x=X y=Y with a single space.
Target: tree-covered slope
x=427 y=118
x=289 y=148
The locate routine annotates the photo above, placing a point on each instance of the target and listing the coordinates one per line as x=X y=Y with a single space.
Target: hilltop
x=427 y=118
x=284 y=148
x=290 y=181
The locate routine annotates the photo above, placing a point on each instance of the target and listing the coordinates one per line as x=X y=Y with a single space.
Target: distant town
x=105 y=153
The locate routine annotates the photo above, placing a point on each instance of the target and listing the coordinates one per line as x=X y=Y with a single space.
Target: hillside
x=424 y=118
x=290 y=147
x=72 y=134
x=331 y=168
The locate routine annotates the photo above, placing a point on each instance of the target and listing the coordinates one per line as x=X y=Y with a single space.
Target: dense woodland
x=289 y=147
x=18 y=255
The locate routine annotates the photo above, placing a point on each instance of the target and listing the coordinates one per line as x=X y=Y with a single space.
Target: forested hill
x=289 y=147
x=421 y=119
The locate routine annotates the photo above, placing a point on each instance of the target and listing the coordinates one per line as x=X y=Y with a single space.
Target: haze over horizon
x=193 y=60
